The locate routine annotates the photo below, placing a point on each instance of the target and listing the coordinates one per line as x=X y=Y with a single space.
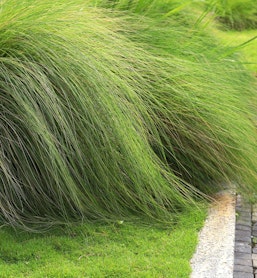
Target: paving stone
x=245 y=230
x=254 y=216
x=243 y=268
x=247 y=262
x=243 y=256
x=243 y=247
x=245 y=206
x=242 y=233
x=240 y=227
x=254 y=250
x=246 y=239
x=239 y=198
x=254 y=226
x=254 y=258
x=243 y=275
x=254 y=207
x=243 y=210
x=254 y=233
x=255 y=263
x=244 y=222
x=244 y=216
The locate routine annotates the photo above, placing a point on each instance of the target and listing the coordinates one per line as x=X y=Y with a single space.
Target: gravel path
x=214 y=256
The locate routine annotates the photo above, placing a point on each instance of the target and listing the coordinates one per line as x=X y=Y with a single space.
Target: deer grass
x=110 y=114
x=203 y=100
x=74 y=132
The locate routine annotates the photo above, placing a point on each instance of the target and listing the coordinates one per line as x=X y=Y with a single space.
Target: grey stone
x=254 y=216
x=242 y=233
x=244 y=222
x=243 y=247
x=254 y=208
x=243 y=210
x=247 y=262
x=239 y=198
x=254 y=231
x=254 y=250
x=254 y=258
x=240 y=227
x=244 y=216
x=243 y=256
x=243 y=268
x=254 y=234
x=242 y=275
x=246 y=239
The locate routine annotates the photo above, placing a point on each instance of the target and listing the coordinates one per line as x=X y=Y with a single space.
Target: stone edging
x=245 y=252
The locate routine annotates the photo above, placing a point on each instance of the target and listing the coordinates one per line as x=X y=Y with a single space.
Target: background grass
x=235 y=14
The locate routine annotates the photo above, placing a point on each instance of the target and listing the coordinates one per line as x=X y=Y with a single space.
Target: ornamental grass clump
x=74 y=133
x=201 y=97
x=107 y=115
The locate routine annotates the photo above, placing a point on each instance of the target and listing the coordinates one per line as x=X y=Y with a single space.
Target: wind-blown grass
x=73 y=145
x=203 y=98
x=106 y=114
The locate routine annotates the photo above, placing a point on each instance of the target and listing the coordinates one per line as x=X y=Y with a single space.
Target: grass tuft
x=111 y=112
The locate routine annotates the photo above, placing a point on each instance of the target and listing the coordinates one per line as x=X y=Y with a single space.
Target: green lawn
x=117 y=250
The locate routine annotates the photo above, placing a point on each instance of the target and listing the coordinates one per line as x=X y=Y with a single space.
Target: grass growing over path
x=114 y=250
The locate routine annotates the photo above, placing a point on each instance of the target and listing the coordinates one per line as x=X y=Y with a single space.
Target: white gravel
x=214 y=256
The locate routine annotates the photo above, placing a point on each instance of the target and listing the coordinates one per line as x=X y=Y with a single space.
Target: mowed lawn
x=115 y=250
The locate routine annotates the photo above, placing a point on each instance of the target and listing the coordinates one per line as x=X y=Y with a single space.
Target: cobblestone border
x=245 y=252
